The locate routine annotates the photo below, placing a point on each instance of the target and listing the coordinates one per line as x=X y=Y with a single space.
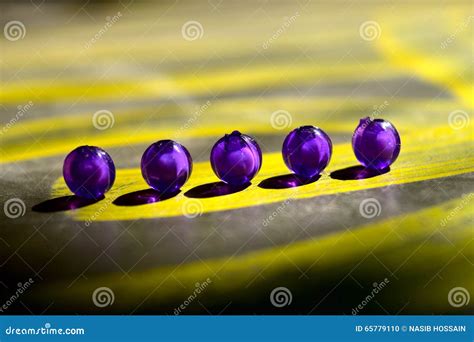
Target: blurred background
x=122 y=75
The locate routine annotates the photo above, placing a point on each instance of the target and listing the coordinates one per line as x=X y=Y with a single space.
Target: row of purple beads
x=235 y=158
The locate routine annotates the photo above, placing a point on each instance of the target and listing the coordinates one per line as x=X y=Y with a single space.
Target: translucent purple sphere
x=89 y=172
x=376 y=143
x=236 y=158
x=166 y=165
x=307 y=151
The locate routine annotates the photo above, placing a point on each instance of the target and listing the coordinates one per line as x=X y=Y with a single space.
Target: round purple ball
x=236 y=158
x=89 y=172
x=166 y=165
x=307 y=151
x=376 y=143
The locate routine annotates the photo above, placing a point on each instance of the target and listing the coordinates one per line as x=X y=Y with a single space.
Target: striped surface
x=307 y=59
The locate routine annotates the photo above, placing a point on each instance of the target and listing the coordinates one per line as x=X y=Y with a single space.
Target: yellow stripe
x=146 y=50
x=226 y=110
x=59 y=135
x=58 y=145
x=445 y=156
x=439 y=67
x=208 y=83
x=401 y=244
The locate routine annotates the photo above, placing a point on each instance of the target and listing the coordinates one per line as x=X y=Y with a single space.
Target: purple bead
x=89 y=172
x=376 y=143
x=307 y=151
x=166 y=166
x=236 y=158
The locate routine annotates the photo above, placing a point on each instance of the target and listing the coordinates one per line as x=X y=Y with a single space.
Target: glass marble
x=89 y=172
x=166 y=165
x=376 y=143
x=236 y=158
x=307 y=151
